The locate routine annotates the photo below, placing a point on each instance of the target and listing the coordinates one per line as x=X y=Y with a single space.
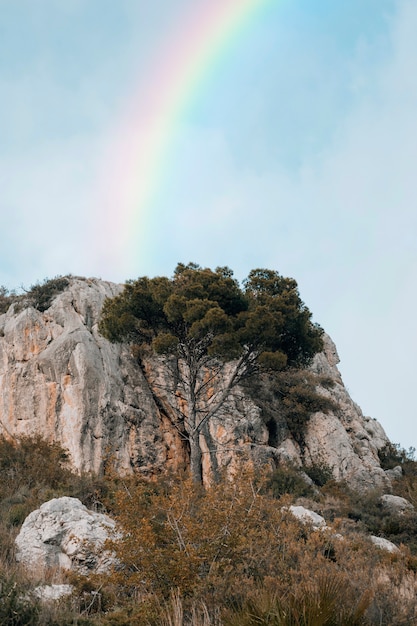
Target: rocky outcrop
x=61 y=379
x=344 y=439
x=63 y=533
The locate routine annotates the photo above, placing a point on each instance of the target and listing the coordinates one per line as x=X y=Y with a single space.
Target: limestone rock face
x=61 y=379
x=64 y=533
x=344 y=439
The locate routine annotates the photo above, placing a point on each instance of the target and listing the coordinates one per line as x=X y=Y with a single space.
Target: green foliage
x=203 y=318
x=320 y=473
x=38 y=296
x=208 y=310
x=288 y=480
x=16 y=608
x=6 y=299
x=367 y=510
x=277 y=310
x=392 y=455
x=288 y=399
x=230 y=554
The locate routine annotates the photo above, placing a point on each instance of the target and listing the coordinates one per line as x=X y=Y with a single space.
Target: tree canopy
x=205 y=318
x=209 y=309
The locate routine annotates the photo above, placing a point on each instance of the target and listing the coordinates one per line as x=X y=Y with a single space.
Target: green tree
x=215 y=333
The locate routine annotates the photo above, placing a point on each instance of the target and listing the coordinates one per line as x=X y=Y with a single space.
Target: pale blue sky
x=298 y=153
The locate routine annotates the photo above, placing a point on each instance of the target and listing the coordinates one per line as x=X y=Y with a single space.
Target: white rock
x=394 y=473
x=49 y=593
x=396 y=504
x=64 y=533
x=384 y=544
x=307 y=516
x=59 y=378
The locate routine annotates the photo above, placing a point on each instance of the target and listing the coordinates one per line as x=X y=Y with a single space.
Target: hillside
x=61 y=378
x=317 y=526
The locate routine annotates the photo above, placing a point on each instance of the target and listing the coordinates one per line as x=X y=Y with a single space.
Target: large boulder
x=63 y=533
x=395 y=504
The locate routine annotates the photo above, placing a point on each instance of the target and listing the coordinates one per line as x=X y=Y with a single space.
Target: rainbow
x=145 y=139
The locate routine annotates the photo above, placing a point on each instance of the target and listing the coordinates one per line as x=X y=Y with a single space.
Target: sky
x=254 y=133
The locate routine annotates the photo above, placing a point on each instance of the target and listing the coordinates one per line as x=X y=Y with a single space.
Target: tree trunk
x=196 y=465
x=212 y=451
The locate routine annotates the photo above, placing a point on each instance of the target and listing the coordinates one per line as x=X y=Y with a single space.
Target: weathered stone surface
x=61 y=379
x=308 y=517
x=64 y=533
x=395 y=504
x=395 y=473
x=345 y=439
x=51 y=593
x=384 y=544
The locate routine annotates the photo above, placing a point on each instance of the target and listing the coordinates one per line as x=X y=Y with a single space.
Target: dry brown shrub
x=225 y=545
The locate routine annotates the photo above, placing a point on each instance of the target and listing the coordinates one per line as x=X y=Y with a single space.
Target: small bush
x=33 y=471
x=392 y=454
x=40 y=295
x=400 y=528
x=327 y=600
x=320 y=473
x=6 y=299
x=16 y=608
x=288 y=399
x=288 y=480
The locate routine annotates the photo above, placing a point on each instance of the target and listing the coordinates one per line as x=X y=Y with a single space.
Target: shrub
x=392 y=454
x=40 y=295
x=325 y=601
x=288 y=480
x=6 y=298
x=367 y=510
x=291 y=397
x=320 y=473
x=16 y=608
x=34 y=471
x=226 y=545
x=29 y=461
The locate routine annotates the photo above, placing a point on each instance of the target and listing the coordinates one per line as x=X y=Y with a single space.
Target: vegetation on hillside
x=214 y=334
x=39 y=296
x=228 y=555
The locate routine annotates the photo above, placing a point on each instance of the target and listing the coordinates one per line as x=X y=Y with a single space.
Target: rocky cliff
x=61 y=379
